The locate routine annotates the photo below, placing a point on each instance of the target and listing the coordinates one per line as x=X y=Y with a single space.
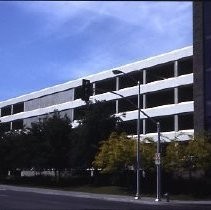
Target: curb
x=108 y=197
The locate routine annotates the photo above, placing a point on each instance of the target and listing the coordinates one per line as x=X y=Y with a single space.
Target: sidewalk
x=128 y=199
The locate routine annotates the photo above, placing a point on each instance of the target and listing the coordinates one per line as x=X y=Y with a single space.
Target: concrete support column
x=24 y=103
x=176 y=126
x=72 y=114
x=144 y=107
x=117 y=101
x=94 y=88
x=72 y=109
x=144 y=99
x=11 y=114
x=176 y=88
x=11 y=109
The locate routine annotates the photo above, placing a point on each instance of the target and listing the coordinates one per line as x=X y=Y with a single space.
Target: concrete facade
x=49 y=100
x=166 y=95
x=202 y=65
x=199 y=121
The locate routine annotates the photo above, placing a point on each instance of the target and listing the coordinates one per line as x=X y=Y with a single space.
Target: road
x=17 y=200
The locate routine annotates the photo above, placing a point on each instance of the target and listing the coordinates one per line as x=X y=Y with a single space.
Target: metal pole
x=158 y=164
x=137 y=147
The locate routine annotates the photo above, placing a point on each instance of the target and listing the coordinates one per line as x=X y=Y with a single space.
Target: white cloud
x=136 y=21
x=149 y=14
x=139 y=29
x=89 y=64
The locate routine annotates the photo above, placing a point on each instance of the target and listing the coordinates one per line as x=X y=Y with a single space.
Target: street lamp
x=158 y=165
x=137 y=196
x=157 y=158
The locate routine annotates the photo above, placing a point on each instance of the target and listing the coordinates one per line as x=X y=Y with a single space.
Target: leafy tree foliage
x=175 y=153
x=14 y=151
x=148 y=150
x=39 y=147
x=116 y=153
x=119 y=153
x=191 y=155
x=1 y=130
x=95 y=125
x=45 y=145
x=198 y=154
x=52 y=142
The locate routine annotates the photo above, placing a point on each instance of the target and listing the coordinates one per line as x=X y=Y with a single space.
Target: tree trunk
x=57 y=175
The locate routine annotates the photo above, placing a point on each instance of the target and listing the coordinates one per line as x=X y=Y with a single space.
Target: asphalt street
x=21 y=200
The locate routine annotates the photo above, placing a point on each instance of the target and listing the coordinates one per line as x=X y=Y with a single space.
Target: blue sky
x=47 y=43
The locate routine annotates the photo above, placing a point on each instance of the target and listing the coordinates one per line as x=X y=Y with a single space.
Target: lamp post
x=137 y=196
x=158 y=162
x=158 y=166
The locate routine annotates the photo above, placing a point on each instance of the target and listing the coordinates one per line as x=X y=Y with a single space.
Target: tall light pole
x=158 y=165
x=138 y=147
x=137 y=196
x=157 y=160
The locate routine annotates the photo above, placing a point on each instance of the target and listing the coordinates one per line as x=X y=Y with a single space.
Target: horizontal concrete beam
x=146 y=63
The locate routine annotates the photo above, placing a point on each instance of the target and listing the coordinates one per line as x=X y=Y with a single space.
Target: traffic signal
x=87 y=90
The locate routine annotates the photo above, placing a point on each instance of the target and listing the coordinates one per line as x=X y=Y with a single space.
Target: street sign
x=157 y=158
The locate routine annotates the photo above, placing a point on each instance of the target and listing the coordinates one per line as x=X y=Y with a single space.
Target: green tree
x=14 y=151
x=174 y=157
x=57 y=132
x=115 y=154
x=51 y=139
x=119 y=152
x=39 y=147
x=96 y=125
x=198 y=155
x=148 y=150
x=193 y=154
